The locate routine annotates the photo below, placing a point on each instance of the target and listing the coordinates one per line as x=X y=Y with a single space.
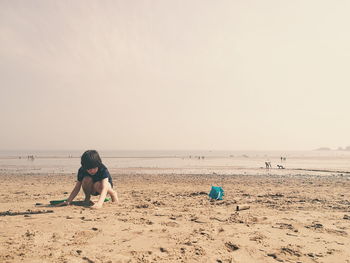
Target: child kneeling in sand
x=95 y=179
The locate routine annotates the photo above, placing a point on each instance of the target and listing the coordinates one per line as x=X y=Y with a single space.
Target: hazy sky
x=216 y=75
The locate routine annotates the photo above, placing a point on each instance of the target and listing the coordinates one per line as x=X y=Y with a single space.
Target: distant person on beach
x=268 y=165
x=95 y=180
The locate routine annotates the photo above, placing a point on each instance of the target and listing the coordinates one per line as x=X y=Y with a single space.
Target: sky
x=174 y=75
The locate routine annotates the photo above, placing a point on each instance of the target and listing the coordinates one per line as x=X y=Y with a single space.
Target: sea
x=192 y=161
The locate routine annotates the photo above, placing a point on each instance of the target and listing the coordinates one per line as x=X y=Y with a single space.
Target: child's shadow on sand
x=82 y=203
x=74 y=203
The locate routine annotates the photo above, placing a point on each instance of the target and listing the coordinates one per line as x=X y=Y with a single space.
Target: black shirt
x=101 y=174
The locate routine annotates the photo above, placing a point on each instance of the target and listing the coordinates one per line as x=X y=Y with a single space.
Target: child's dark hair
x=90 y=159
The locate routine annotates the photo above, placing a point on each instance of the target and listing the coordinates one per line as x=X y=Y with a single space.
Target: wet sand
x=302 y=217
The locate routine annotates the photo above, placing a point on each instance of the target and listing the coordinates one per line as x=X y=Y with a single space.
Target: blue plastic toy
x=216 y=192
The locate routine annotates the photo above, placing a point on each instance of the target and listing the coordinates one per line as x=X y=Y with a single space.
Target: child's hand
x=96 y=206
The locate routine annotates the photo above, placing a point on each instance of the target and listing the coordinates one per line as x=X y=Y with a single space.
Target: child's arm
x=103 y=194
x=73 y=194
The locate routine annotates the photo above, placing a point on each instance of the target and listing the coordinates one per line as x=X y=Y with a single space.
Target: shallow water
x=63 y=162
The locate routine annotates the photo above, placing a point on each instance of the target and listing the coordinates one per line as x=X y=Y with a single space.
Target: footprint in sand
x=171 y=224
x=231 y=247
x=82 y=237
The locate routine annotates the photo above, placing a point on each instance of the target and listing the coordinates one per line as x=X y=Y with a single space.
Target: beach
x=165 y=215
x=167 y=101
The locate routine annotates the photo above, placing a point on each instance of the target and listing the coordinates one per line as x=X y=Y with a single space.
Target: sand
x=293 y=217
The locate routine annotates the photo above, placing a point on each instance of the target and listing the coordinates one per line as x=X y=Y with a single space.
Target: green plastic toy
x=56 y=202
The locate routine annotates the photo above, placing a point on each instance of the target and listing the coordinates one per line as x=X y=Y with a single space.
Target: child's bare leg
x=87 y=185
x=113 y=194
x=98 y=188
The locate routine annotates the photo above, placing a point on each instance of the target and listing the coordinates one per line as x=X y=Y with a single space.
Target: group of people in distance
x=279 y=166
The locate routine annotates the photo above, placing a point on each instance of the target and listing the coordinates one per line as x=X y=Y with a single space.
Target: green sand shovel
x=56 y=202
